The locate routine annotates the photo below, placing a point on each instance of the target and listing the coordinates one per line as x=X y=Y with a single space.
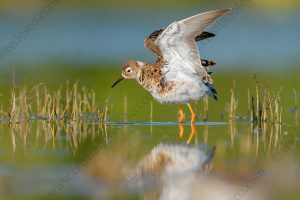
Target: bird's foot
x=193 y=115
x=181 y=115
x=181 y=130
x=192 y=134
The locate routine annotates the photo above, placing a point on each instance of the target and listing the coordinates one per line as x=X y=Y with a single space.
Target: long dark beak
x=118 y=81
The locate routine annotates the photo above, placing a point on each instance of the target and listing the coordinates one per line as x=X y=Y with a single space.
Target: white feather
x=178 y=47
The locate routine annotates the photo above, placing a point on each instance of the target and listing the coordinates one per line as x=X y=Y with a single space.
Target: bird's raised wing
x=177 y=44
x=150 y=41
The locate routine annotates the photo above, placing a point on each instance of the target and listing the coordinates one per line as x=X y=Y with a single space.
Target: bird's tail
x=212 y=91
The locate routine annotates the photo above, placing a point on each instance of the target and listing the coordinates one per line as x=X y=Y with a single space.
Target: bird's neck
x=141 y=74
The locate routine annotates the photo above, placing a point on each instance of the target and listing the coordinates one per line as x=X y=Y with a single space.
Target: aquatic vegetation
x=75 y=103
x=295 y=109
x=232 y=106
x=263 y=106
x=71 y=104
x=266 y=106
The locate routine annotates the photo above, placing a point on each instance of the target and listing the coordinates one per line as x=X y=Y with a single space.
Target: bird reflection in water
x=192 y=133
x=172 y=169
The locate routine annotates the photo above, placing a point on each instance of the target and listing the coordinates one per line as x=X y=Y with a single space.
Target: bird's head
x=130 y=70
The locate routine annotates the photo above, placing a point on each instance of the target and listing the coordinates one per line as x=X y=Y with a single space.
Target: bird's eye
x=128 y=69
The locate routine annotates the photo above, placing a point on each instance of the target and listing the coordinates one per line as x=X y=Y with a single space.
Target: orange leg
x=193 y=131
x=181 y=130
x=193 y=116
x=181 y=115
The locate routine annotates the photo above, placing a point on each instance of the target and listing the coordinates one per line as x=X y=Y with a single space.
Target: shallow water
x=89 y=160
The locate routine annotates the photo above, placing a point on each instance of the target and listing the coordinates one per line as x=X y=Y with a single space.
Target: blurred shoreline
x=98 y=36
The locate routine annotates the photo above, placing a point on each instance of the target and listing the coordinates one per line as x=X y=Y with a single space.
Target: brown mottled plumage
x=149 y=43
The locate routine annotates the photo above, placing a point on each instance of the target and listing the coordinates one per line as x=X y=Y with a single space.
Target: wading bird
x=178 y=76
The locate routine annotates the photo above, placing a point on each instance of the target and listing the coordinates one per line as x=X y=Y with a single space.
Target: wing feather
x=150 y=41
x=178 y=47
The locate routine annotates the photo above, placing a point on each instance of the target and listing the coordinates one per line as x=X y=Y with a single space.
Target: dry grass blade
x=232 y=107
x=41 y=103
x=205 y=108
x=295 y=106
x=102 y=115
x=264 y=107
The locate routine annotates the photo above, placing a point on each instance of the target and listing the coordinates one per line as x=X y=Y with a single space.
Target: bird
x=179 y=76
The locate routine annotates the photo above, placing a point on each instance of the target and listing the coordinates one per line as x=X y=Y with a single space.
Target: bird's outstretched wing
x=150 y=42
x=178 y=48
